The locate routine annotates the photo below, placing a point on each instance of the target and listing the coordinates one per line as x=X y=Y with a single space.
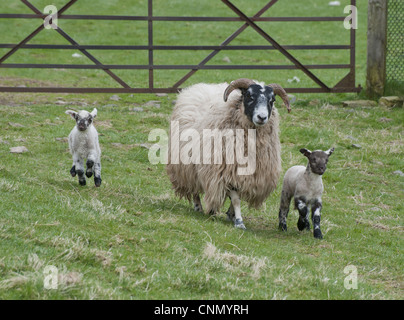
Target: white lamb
x=83 y=144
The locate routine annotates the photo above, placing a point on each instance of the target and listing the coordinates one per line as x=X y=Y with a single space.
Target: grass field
x=133 y=239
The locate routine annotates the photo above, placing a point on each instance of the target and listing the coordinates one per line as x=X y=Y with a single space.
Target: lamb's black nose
x=262 y=118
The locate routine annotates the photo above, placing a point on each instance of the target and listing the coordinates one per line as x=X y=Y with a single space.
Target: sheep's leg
x=303 y=222
x=79 y=168
x=97 y=173
x=236 y=203
x=197 y=203
x=230 y=213
x=284 y=210
x=316 y=217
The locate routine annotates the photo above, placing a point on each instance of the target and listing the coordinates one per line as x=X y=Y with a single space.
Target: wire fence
x=395 y=41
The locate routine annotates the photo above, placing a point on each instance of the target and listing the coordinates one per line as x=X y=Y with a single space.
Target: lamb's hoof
x=73 y=171
x=82 y=182
x=302 y=225
x=97 y=181
x=238 y=223
x=317 y=234
x=89 y=174
x=282 y=226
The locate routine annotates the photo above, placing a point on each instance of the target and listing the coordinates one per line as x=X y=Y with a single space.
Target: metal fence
x=395 y=41
x=346 y=84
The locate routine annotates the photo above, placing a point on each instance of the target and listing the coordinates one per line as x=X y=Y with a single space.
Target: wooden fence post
x=376 y=51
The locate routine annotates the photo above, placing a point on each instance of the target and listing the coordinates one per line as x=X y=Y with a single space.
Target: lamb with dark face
x=317 y=160
x=305 y=185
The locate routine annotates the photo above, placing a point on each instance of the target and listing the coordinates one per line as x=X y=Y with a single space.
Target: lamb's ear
x=306 y=152
x=329 y=151
x=94 y=113
x=72 y=113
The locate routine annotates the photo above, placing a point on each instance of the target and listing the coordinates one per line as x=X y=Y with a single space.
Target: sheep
x=220 y=108
x=83 y=144
x=305 y=185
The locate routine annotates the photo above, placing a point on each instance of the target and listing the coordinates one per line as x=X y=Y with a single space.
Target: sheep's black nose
x=262 y=118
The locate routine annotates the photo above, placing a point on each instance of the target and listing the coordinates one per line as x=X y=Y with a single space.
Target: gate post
x=376 y=50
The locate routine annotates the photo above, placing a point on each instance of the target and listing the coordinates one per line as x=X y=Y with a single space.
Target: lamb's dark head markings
x=258 y=100
x=83 y=118
x=317 y=159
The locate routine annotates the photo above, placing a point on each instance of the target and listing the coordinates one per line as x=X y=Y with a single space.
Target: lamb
x=305 y=185
x=222 y=109
x=83 y=144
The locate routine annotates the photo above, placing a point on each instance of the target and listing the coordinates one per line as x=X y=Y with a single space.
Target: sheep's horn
x=282 y=93
x=242 y=83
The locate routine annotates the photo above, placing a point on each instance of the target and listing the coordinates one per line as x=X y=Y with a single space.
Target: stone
x=356 y=146
x=136 y=109
x=359 y=103
x=351 y=138
x=391 y=101
x=20 y=149
x=15 y=125
x=115 y=98
x=384 y=119
x=399 y=172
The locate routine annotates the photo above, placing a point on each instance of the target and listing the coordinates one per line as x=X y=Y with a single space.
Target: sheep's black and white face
x=317 y=159
x=83 y=118
x=258 y=103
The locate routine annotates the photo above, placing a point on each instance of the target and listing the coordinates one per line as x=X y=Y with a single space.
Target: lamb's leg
x=284 y=210
x=316 y=217
x=91 y=159
x=79 y=168
x=73 y=170
x=303 y=222
x=197 y=203
x=97 y=173
x=236 y=203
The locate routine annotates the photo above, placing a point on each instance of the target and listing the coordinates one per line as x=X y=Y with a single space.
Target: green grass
x=133 y=239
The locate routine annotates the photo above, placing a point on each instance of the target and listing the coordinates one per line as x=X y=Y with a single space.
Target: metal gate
x=346 y=84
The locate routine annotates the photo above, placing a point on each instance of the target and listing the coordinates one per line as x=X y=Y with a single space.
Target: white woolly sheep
x=212 y=106
x=305 y=185
x=83 y=144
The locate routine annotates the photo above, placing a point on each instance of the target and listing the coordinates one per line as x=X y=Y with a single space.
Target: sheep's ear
x=72 y=113
x=306 y=152
x=94 y=113
x=329 y=151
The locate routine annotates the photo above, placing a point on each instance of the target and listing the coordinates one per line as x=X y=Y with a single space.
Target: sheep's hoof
x=73 y=171
x=282 y=226
x=238 y=223
x=89 y=173
x=317 y=234
x=82 y=182
x=97 y=181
